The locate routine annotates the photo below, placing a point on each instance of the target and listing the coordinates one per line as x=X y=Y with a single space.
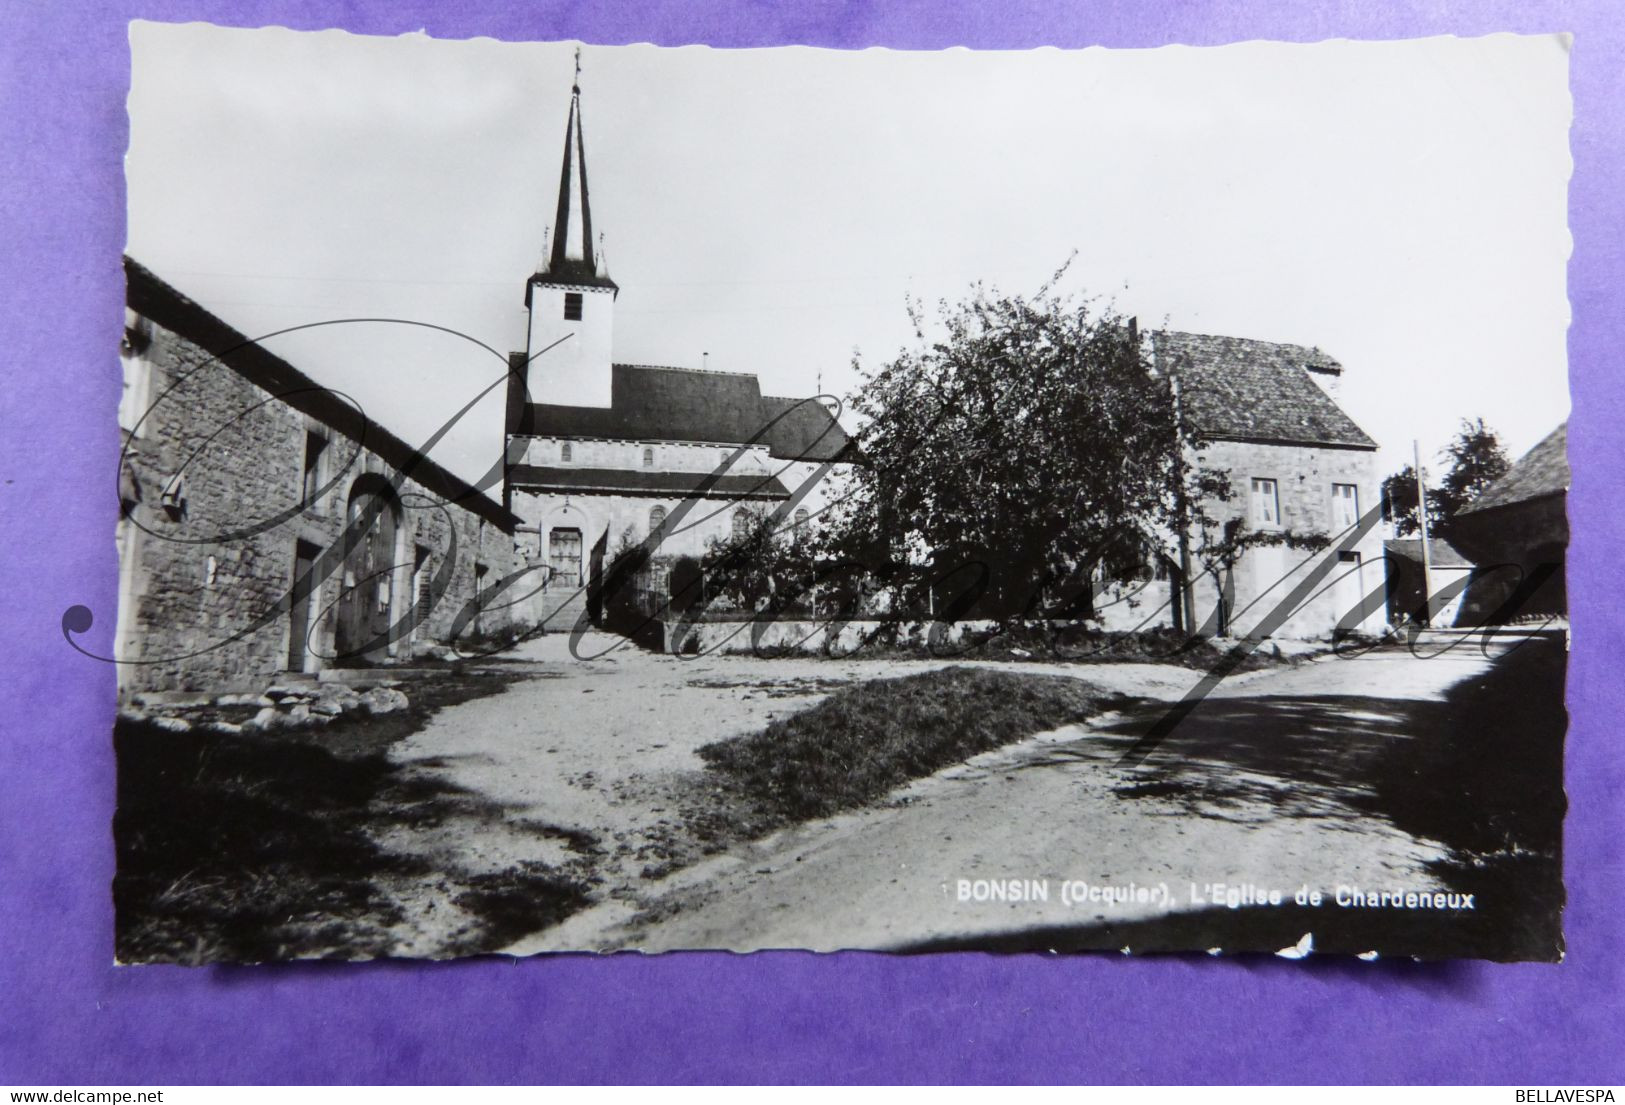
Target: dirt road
x=581 y=767
x=1059 y=811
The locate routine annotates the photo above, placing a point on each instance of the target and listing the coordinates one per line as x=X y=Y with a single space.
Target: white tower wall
x=576 y=372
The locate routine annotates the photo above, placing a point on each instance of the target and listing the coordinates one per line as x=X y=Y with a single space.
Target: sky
x=1399 y=205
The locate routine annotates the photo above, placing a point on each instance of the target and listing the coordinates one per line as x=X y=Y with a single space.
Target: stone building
x=1299 y=469
x=1433 y=593
x=601 y=455
x=267 y=526
x=1517 y=531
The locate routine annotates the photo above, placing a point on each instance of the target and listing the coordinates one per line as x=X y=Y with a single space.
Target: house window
x=1345 y=506
x=657 y=518
x=564 y=451
x=137 y=374
x=480 y=572
x=422 y=585
x=572 y=306
x=1265 y=504
x=648 y=457
x=315 y=446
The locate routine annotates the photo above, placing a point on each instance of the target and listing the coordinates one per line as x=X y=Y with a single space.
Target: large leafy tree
x=1476 y=459
x=1024 y=434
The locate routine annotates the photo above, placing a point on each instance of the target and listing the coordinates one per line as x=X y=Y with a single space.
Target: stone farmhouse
x=267 y=526
x=1298 y=467
x=601 y=454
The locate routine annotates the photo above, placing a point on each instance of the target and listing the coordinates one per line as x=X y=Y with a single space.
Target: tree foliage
x=1027 y=434
x=1476 y=459
x=766 y=561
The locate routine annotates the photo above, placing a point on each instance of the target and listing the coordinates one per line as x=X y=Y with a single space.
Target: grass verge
x=864 y=740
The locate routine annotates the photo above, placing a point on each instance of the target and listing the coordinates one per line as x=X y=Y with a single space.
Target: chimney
x=1328 y=374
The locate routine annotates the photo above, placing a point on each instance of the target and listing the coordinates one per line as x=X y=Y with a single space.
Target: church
x=601 y=454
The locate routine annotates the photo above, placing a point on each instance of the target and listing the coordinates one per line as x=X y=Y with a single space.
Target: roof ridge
x=792 y=398
x=1255 y=341
x=684 y=368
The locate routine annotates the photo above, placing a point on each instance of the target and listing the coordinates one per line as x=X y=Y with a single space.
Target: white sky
x=1400 y=205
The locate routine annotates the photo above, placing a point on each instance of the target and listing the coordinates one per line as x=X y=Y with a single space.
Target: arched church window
x=657 y=517
x=801 y=516
x=741 y=522
x=564 y=451
x=648 y=457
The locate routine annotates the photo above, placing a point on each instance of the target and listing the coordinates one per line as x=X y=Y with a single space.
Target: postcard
x=588 y=498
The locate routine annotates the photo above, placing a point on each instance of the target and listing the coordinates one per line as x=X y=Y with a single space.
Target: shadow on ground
x=255 y=848
x=1480 y=773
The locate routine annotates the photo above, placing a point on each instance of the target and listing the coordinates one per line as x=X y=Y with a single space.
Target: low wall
x=1131 y=607
x=773 y=638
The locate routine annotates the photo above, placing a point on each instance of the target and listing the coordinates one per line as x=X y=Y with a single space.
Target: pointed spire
x=573 y=256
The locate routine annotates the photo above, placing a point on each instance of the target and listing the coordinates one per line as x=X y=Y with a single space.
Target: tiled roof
x=675 y=485
x=1440 y=553
x=1542 y=471
x=649 y=403
x=1239 y=388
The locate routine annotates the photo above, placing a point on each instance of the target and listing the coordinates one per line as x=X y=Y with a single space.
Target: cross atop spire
x=573 y=257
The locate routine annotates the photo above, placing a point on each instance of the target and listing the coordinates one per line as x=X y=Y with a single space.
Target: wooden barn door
x=364 y=604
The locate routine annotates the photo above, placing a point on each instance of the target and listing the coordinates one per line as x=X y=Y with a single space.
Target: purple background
x=68 y=1016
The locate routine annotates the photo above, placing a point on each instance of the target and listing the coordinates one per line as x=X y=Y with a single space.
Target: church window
x=801 y=516
x=648 y=457
x=572 y=306
x=564 y=451
x=657 y=518
x=741 y=523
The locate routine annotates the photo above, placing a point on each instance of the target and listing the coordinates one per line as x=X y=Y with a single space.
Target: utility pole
x=1185 y=601
x=1427 y=555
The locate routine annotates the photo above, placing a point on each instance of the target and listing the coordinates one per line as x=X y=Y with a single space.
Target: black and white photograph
x=585 y=498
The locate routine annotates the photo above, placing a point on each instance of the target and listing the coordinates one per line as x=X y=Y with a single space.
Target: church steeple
x=571 y=297
x=574 y=257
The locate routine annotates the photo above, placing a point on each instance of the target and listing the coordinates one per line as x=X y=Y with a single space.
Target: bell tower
x=571 y=297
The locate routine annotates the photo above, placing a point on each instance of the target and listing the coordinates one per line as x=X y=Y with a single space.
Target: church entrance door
x=564 y=557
